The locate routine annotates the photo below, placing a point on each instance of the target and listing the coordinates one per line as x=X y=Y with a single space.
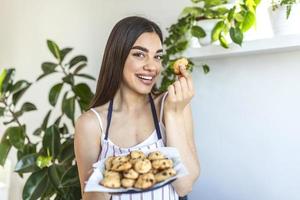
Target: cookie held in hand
x=176 y=66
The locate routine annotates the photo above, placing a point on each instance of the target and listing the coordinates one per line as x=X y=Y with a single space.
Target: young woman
x=126 y=115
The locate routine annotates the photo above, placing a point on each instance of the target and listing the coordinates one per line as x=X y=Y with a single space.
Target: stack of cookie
x=137 y=170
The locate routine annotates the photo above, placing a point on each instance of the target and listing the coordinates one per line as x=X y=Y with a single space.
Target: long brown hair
x=120 y=41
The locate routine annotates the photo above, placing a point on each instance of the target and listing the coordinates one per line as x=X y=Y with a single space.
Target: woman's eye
x=158 y=57
x=141 y=55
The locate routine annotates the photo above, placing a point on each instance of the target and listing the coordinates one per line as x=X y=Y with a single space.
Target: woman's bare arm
x=179 y=129
x=87 y=147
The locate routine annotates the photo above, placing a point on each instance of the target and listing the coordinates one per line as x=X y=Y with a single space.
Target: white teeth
x=145 y=77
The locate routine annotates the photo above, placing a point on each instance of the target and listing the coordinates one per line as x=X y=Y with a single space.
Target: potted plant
x=284 y=16
x=234 y=18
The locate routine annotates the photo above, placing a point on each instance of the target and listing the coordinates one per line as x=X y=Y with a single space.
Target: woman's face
x=143 y=64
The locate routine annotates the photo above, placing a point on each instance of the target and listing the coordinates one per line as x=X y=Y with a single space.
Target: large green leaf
x=70 y=177
x=77 y=59
x=19 y=93
x=4 y=149
x=8 y=80
x=16 y=136
x=85 y=76
x=198 y=32
x=43 y=127
x=55 y=172
x=51 y=140
x=27 y=106
x=236 y=35
x=64 y=52
x=48 y=67
x=80 y=67
x=53 y=47
x=83 y=91
x=68 y=107
x=35 y=185
x=249 y=20
x=54 y=93
x=2 y=76
x=218 y=28
x=27 y=164
x=28 y=148
x=66 y=151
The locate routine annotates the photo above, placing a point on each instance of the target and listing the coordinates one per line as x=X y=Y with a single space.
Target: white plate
x=92 y=185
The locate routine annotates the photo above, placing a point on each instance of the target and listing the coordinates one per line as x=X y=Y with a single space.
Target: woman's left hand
x=180 y=92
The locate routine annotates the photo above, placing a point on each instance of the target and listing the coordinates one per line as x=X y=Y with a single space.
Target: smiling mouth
x=145 y=79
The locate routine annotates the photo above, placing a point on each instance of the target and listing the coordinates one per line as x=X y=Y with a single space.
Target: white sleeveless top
x=156 y=139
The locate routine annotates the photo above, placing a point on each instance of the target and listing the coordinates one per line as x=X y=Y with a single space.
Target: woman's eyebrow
x=145 y=49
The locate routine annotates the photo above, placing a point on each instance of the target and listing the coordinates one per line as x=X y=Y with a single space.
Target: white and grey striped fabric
x=108 y=148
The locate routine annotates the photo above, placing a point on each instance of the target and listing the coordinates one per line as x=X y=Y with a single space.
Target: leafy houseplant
x=288 y=3
x=50 y=161
x=235 y=21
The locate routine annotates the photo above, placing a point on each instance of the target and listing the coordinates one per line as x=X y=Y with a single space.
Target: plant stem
x=15 y=118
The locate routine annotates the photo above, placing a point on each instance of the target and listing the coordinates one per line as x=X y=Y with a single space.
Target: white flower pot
x=207 y=25
x=283 y=26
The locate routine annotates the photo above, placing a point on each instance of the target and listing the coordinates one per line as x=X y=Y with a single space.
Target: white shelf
x=266 y=45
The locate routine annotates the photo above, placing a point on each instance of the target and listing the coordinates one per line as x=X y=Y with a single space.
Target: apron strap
x=157 y=127
x=110 y=108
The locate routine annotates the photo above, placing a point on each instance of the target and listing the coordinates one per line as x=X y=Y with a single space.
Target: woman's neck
x=128 y=101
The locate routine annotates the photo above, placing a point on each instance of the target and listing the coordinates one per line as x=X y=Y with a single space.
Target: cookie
x=176 y=65
x=108 y=162
x=145 y=181
x=162 y=164
x=127 y=182
x=118 y=159
x=142 y=166
x=131 y=174
x=111 y=174
x=164 y=175
x=137 y=154
x=156 y=156
x=120 y=166
x=111 y=182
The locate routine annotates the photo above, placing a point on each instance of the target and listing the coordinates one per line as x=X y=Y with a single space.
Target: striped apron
x=155 y=140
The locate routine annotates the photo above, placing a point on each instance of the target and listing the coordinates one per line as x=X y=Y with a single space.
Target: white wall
x=245 y=110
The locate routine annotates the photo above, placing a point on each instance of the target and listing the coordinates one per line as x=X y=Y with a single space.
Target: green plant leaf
x=35 y=185
x=54 y=49
x=236 y=35
x=2 y=77
x=205 y=68
x=77 y=59
x=83 y=91
x=68 y=107
x=194 y=11
x=223 y=41
x=80 y=67
x=70 y=177
x=69 y=79
x=64 y=52
x=54 y=173
x=49 y=67
x=8 y=79
x=67 y=151
x=218 y=28
x=4 y=149
x=198 y=32
x=249 y=20
x=27 y=164
x=19 y=92
x=27 y=106
x=17 y=136
x=54 y=93
x=51 y=140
